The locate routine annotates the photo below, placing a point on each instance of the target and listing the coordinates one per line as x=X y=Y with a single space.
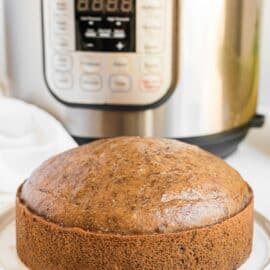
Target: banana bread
x=134 y=203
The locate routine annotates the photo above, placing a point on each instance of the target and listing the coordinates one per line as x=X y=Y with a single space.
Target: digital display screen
x=106 y=25
x=110 y=6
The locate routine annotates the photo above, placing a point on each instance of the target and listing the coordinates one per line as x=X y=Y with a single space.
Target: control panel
x=109 y=52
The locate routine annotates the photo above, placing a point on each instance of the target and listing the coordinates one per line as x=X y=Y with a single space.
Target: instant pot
x=183 y=69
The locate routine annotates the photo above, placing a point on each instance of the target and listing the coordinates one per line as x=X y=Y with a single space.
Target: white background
x=265 y=56
x=2 y=58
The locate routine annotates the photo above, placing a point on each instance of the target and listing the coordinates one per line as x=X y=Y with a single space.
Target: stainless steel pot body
x=216 y=83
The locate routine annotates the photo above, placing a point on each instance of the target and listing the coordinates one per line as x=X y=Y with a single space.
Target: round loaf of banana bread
x=134 y=203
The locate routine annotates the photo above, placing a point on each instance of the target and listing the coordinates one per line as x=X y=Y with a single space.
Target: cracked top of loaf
x=134 y=185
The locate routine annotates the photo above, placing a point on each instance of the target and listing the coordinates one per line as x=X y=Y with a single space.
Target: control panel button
x=152 y=45
x=60 y=25
x=151 y=4
x=62 y=62
x=120 y=83
x=90 y=65
x=153 y=13
x=119 y=34
x=60 y=5
x=61 y=42
x=151 y=83
x=63 y=80
x=91 y=82
x=151 y=64
x=120 y=64
x=152 y=23
x=120 y=46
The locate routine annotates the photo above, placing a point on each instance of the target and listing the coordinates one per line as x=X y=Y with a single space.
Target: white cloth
x=28 y=136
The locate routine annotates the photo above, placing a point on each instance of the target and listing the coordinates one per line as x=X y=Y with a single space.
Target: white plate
x=259 y=259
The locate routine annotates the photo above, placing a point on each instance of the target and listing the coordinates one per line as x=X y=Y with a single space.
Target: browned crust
x=134 y=185
x=45 y=245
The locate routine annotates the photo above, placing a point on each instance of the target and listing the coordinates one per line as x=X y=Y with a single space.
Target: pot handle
x=257 y=121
